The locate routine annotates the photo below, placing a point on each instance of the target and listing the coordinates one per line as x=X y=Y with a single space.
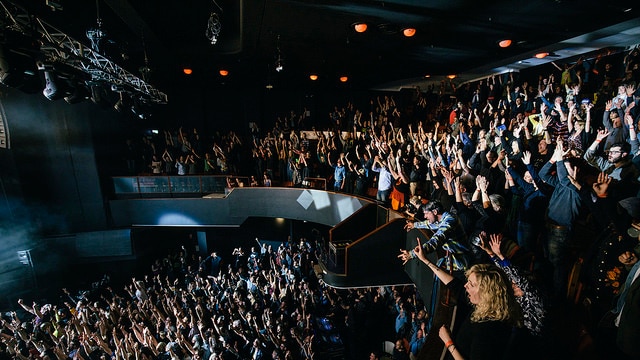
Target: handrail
x=173 y=185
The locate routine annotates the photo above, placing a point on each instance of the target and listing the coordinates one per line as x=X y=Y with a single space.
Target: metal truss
x=56 y=46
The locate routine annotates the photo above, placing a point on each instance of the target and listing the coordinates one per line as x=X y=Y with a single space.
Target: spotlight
x=80 y=93
x=541 y=55
x=119 y=105
x=224 y=72
x=138 y=110
x=123 y=103
x=279 y=65
x=98 y=94
x=50 y=87
x=344 y=79
x=18 y=71
x=187 y=71
x=313 y=77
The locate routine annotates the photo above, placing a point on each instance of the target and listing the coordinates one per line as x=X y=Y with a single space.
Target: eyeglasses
x=614 y=151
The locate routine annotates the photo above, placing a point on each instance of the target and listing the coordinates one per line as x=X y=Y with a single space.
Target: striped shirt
x=449 y=236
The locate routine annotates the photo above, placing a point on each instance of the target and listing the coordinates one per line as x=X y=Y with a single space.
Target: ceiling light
x=187 y=71
x=427 y=76
x=313 y=77
x=408 y=32
x=224 y=72
x=541 y=55
x=505 y=43
x=451 y=76
x=343 y=79
x=360 y=27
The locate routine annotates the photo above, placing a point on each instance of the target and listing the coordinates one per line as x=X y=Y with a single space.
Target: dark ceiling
x=316 y=36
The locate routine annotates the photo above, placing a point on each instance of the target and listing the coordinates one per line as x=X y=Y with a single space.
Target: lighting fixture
x=79 y=93
x=50 y=88
x=427 y=76
x=408 y=32
x=187 y=71
x=344 y=79
x=279 y=62
x=145 y=70
x=541 y=55
x=224 y=72
x=119 y=105
x=313 y=77
x=214 y=25
x=360 y=27
x=96 y=35
x=505 y=43
x=452 y=76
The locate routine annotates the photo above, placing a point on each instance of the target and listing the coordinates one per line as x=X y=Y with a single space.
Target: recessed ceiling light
x=224 y=72
x=313 y=77
x=505 y=43
x=541 y=55
x=344 y=79
x=360 y=27
x=452 y=76
x=187 y=71
x=408 y=32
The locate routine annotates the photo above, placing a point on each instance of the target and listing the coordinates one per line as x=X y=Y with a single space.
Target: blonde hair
x=497 y=301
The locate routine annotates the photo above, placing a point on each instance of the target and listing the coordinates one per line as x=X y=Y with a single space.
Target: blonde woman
x=485 y=333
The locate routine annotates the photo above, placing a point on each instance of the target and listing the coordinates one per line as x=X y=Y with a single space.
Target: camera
x=477 y=241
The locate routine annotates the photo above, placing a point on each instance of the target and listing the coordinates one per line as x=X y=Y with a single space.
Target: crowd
x=522 y=182
x=262 y=304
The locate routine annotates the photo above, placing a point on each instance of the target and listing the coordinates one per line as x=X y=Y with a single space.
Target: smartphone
x=502 y=127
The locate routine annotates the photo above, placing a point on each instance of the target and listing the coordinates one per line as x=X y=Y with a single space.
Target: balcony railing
x=174 y=186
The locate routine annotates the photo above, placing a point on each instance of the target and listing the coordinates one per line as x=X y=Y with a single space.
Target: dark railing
x=175 y=186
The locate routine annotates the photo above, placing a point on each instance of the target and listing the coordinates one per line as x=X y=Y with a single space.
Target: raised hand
x=526 y=157
x=418 y=251
x=628 y=258
x=630 y=89
x=601 y=186
x=601 y=135
x=494 y=242
x=629 y=107
x=405 y=256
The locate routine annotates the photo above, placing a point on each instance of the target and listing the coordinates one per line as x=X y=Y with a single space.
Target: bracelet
x=448 y=344
x=598 y=140
x=451 y=348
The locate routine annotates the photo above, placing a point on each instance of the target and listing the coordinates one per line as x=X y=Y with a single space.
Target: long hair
x=497 y=301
